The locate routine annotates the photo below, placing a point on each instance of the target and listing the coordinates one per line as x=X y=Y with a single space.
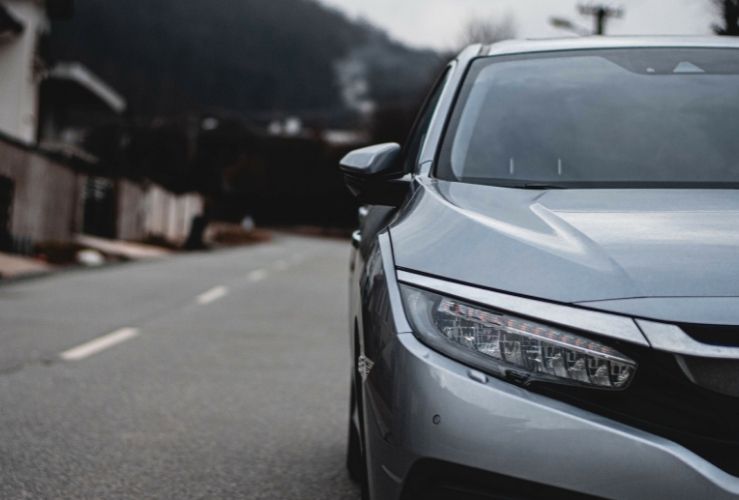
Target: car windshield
x=598 y=118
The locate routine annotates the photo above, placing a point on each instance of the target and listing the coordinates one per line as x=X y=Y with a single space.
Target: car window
x=421 y=126
x=598 y=118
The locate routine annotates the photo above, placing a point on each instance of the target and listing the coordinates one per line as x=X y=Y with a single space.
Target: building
x=59 y=127
x=35 y=200
x=23 y=26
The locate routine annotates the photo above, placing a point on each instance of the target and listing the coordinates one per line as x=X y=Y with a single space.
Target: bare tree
x=486 y=30
x=729 y=10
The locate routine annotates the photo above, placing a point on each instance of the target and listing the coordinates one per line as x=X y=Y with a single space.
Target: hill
x=261 y=58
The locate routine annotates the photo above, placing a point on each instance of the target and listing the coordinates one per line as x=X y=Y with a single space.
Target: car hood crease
x=574 y=245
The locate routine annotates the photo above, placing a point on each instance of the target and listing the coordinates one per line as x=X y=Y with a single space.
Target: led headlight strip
x=509 y=343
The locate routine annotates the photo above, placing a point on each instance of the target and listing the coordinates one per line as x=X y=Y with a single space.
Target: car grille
x=664 y=401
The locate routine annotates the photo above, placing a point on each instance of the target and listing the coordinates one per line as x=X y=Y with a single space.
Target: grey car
x=544 y=293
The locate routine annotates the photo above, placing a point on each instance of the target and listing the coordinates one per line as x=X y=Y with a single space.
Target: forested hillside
x=257 y=57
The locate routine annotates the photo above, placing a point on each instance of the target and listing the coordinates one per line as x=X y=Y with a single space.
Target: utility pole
x=601 y=14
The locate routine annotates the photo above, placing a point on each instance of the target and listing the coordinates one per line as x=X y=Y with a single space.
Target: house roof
x=78 y=74
x=9 y=25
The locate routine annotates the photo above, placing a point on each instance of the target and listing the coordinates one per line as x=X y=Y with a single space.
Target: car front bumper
x=441 y=410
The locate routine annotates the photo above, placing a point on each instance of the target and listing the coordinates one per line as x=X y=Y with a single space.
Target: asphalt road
x=213 y=375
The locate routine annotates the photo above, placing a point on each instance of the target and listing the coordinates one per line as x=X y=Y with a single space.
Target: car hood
x=574 y=245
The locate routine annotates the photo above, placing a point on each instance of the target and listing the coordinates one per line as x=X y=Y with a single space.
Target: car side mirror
x=373 y=175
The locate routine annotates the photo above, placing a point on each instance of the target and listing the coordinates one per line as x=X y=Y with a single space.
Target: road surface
x=212 y=375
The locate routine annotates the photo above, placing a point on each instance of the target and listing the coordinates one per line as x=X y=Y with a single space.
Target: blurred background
x=139 y=130
x=178 y=123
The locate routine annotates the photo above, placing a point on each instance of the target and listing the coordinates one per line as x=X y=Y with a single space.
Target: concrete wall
x=131 y=210
x=18 y=74
x=48 y=202
x=47 y=199
x=154 y=211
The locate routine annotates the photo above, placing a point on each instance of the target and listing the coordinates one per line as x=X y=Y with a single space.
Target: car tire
x=354 y=459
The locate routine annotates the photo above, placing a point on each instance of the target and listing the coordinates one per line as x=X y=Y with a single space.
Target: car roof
x=601 y=42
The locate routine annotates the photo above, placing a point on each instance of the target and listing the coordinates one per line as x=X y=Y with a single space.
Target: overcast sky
x=438 y=23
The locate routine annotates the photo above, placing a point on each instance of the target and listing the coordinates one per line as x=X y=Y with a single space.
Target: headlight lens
x=514 y=347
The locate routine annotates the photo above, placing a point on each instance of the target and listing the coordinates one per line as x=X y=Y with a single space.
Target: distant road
x=214 y=375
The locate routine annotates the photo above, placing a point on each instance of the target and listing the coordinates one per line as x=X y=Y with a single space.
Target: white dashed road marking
x=280 y=265
x=99 y=344
x=257 y=275
x=212 y=295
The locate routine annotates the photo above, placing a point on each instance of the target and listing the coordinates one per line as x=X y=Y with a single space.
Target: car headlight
x=511 y=347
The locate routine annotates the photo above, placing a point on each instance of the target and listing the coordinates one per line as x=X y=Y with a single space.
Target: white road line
x=212 y=295
x=99 y=344
x=257 y=275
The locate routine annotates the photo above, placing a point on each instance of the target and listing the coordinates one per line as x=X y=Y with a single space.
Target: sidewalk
x=119 y=248
x=109 y=251
x=16 y=266
x=12 y=266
